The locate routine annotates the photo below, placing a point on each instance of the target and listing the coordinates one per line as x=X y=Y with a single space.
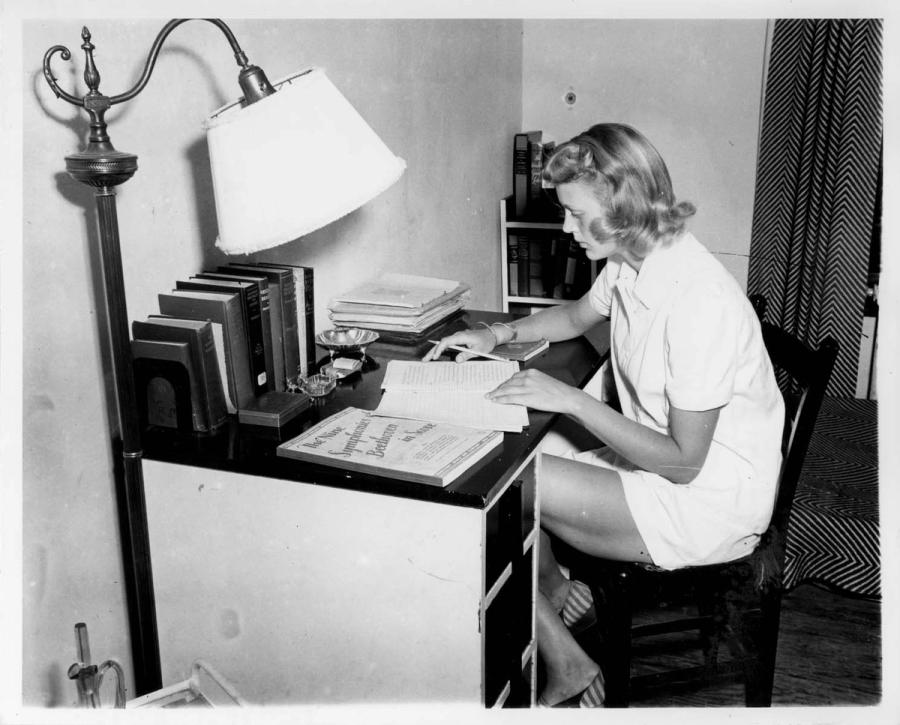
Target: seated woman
x=689 y=468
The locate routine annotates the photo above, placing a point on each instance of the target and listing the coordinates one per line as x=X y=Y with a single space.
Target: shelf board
x=510 y=224
x=536 y=301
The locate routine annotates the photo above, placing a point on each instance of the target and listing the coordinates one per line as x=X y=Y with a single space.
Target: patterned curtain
x=816 y=182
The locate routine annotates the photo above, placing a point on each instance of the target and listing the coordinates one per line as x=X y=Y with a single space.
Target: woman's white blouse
x=684 y=334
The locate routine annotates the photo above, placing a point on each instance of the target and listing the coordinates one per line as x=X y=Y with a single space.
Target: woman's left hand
x=536 y=390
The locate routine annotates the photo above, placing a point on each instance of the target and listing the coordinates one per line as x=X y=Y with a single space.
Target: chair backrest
x=803 y=374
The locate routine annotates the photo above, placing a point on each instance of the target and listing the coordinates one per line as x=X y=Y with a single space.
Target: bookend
x=167 y=384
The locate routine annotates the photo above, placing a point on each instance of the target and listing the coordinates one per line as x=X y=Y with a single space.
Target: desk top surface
x=251 y=449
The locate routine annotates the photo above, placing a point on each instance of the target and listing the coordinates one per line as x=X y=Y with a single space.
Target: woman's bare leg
x=585 y=506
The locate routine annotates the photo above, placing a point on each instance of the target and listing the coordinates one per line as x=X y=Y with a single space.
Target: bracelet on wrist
x=487 y=327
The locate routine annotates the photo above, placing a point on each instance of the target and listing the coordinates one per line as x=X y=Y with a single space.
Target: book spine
x=256 y=341
x=521 y=174
x=291 y=333
x=524 y=257
x=535 y=268
x=213 y=385
x=306 y=304
x=536 y=166
x=512 y=254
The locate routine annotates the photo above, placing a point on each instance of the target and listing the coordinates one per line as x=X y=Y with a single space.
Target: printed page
x=470 y=409
x=472 y=376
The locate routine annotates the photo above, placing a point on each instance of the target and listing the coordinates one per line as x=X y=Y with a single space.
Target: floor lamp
x=280 y=157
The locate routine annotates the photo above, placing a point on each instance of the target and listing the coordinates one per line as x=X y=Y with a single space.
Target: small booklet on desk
x=409 y=450
x=451 y=392
x=520 y=351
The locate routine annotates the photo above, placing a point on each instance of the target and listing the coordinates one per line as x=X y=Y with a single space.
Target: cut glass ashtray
x=318 y=385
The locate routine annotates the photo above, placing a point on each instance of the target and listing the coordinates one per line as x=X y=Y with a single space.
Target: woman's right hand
x=477 y=340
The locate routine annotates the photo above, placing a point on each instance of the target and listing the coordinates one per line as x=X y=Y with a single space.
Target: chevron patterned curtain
x=816 y=182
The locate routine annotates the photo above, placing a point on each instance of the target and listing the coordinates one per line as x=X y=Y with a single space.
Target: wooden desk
x=307 y=584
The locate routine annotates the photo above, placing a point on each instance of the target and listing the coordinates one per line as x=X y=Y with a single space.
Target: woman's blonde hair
x=629 y=176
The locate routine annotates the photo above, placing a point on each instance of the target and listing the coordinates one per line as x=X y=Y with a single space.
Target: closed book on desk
x=207 y=392
x=283 y=278
x=224 y=309
x=255 y=321
x=408 y=450
x=269 y=283
x=520 y=351
x=304 y=292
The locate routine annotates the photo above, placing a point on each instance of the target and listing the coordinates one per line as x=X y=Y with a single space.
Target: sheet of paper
x=469 y=409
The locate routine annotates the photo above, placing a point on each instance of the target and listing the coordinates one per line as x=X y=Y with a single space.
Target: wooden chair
x=737 y=604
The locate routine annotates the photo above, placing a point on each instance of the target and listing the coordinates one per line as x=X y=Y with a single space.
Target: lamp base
x=101 y=166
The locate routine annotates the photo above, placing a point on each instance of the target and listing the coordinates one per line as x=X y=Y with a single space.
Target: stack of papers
x=400 y=303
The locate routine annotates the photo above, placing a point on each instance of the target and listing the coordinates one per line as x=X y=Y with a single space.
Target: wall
x=422 y=86
x=692 y=87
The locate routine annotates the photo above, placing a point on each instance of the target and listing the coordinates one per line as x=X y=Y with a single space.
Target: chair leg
x=761 y=676
x=615 y=659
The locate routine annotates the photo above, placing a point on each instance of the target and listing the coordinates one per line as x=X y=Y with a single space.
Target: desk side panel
x=307 y=594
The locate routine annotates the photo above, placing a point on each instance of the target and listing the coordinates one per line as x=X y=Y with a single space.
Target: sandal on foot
x=578 y=609
x=593 y=695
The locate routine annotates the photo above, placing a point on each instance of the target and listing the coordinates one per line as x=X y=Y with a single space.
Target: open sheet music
x=451 y=392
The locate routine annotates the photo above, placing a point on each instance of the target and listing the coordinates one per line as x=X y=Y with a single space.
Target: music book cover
x=408 y=450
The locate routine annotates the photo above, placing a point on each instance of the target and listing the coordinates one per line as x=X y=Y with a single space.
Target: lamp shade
x=292 y=162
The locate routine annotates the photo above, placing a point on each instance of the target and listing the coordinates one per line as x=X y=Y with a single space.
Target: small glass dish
x=319 y=385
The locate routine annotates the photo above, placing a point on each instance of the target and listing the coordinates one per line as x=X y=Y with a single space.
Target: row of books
x=530 y=198
x=231 y=337
x=400 y=307
x=549 y=266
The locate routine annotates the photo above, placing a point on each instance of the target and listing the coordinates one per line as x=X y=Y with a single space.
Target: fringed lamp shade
x=292 y=162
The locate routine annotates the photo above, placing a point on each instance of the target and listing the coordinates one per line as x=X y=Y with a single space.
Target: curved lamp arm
x=251 y=78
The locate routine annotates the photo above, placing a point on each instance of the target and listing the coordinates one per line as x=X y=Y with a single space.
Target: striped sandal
x=578 y=609
x=594 y=695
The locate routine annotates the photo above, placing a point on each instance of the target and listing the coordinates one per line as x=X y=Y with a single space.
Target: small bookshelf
x=540 y=264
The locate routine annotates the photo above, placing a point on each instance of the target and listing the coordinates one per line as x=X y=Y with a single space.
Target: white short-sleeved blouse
x=683 y=333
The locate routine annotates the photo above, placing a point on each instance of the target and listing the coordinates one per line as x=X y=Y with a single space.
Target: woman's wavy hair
x=629 y=176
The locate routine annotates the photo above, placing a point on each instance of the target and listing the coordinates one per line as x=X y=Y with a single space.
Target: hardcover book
x=306 y=323
x=283 y=277
x=274 y=408
x=408 y=450
x=275 y=339
x=224 y=309
x=522 y=147
x=207 y=392
x=260 y=327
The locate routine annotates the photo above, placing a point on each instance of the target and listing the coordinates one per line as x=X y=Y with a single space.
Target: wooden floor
x=829 y=653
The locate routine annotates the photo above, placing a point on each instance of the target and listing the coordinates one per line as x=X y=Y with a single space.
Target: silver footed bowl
x=346 y=339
